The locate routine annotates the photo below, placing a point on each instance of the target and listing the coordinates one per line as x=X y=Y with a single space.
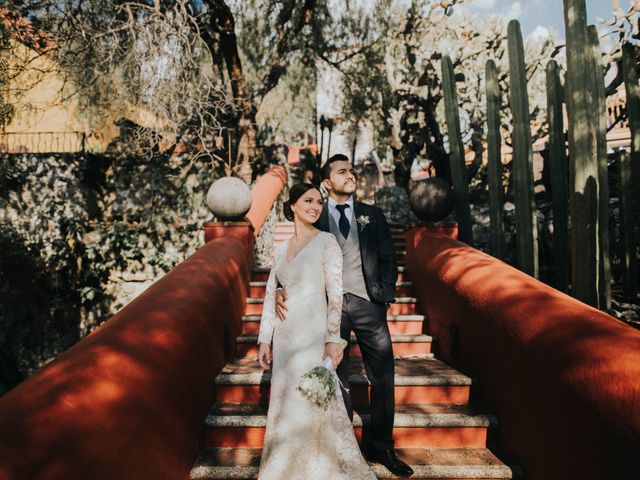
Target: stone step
x=403 y=345
x=426 y=426
x=402 y=306
x=418 y=380
x=257 y=288
x=430 y=463
x=262 y=274
x=398 y=324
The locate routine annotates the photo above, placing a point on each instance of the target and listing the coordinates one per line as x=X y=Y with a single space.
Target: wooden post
x=458 y=167
x=559 y=178
x=583 y=165
x=599 y=117
x=494 y=143
x=628 y=219
x=526 y=230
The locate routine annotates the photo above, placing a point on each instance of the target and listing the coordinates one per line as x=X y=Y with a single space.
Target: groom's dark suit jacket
x=376 y=251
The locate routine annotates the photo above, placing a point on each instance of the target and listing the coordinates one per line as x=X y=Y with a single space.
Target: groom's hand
x=334 y=351
x=281 y=303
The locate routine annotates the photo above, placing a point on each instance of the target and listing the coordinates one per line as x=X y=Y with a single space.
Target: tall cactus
x=583 y=155
x=559 y=178
x=494 y=142
x=599 y=116
x=628 y=220
x=458 y=168
x=630 y=72
x=526 y=231
x=629 y=173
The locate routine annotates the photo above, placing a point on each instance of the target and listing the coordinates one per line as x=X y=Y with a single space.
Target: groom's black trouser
x=369 y=322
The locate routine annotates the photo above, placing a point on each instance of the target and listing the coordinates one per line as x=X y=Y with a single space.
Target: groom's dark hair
x=325 y=171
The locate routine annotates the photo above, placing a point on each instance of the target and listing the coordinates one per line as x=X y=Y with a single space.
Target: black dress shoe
x=389 y=459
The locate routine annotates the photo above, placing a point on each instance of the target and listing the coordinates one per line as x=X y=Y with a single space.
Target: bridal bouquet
x=319 y=384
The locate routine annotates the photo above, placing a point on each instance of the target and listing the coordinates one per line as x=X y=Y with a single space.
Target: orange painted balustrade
x=128 y=401
x=562 y=378
x=264 y=194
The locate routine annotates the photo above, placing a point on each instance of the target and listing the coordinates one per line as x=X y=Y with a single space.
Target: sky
x=538 y=17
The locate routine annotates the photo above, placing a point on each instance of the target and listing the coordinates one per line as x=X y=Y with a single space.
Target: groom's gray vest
x=352 y=276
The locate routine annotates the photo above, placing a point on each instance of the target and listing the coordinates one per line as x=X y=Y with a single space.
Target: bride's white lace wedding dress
x=302 y=441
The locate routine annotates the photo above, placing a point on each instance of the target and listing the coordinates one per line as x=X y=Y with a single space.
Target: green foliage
x=77 y=230
x=287 y=113
x=287 y=42
x=29 y=322
x=39 y=252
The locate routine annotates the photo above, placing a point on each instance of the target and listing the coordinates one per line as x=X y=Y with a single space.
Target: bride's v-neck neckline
x=286 y=248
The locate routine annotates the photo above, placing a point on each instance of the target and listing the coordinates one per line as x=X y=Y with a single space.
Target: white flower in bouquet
x=319 y=384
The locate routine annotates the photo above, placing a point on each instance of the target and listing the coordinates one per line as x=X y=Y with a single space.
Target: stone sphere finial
x=432 y=199
x=229 y=199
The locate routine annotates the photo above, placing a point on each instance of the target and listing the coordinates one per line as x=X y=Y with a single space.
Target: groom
x=369 y=283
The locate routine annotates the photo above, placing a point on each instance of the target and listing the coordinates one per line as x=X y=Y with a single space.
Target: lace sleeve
x=332 y=266
x=268 y=318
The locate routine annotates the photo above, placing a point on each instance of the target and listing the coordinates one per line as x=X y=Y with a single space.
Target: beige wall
x=46 y=121
x=42 y=121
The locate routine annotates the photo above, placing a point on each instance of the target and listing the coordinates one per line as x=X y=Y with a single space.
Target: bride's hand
x=264 y=356
x=334 y=351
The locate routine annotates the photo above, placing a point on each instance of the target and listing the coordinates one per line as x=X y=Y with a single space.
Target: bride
x=303 y=441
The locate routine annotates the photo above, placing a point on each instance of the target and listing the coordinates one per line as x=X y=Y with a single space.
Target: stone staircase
x=437 y=430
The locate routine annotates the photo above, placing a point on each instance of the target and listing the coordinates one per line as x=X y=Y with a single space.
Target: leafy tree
x=395 y=82
x=195 y=67
x=622 y=27
x=201 y=66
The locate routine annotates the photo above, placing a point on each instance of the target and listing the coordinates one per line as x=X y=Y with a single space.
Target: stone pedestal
x=229 y=199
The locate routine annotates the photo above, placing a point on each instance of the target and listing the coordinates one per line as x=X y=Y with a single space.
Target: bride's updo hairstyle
x=294 y=195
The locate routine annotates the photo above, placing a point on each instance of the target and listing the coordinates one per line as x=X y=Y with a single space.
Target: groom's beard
x=346 y=194
x=349 y=190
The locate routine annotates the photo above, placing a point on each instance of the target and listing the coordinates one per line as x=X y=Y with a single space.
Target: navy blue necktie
x=343 y=223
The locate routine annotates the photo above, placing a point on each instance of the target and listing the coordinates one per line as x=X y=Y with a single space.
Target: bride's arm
x=332 y=266
x=268 y=319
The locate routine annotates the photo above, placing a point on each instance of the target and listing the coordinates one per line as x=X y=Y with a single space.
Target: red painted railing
x=129 y=400
x=562 y=378
x=264 y=194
